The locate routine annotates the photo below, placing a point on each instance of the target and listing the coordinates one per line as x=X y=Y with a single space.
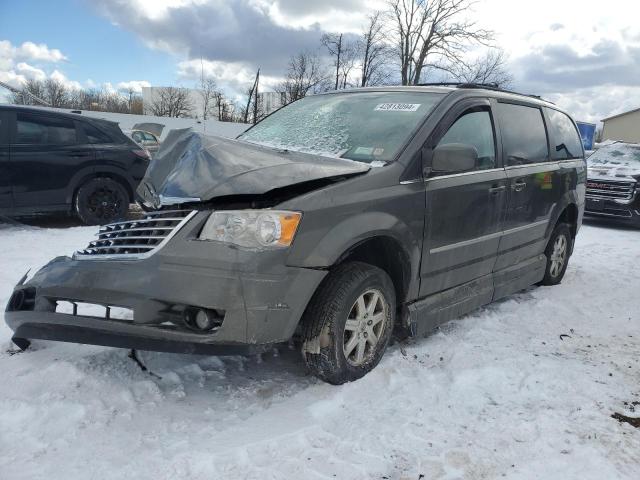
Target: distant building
x=270 y=101
x=624 y=127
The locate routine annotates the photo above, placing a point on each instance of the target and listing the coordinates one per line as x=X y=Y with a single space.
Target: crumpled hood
x=193 y=167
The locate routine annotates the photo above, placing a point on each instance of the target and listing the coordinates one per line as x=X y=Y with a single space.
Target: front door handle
x=79 y=154
x=497 y=189
x=518 y=186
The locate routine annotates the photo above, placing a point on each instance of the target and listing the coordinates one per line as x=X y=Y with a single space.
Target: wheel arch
x=386 y=253
x=115 y=176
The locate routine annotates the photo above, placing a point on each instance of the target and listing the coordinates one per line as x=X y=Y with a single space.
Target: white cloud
x=29 y=71
x=231 y=77
x=62 y=78
x=39 y=52
x=134 y=85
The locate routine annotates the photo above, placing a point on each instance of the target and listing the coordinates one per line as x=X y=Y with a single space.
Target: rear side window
x=95 y=135
x=43 y=130
x=524 y=139
x=565 y=139
x=474 y=129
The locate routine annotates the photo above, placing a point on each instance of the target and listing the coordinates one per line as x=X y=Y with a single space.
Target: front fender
x=327 y=249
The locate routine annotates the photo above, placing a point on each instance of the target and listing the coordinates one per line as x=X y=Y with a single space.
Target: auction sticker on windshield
x=397 y=107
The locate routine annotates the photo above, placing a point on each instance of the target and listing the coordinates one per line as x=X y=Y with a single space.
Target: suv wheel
x=348 y=323
x=557 y=252
x=101 y=200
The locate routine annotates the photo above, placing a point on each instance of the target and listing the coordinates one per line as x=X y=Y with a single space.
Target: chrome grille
x=136 y=238
x=611 y=189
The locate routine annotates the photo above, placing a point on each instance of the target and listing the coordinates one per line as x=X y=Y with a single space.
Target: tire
x=557 y=252
x=337 y=331
x=101 y=200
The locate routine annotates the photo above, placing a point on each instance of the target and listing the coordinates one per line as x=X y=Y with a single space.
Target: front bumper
x=261 y=300
x=628 y=213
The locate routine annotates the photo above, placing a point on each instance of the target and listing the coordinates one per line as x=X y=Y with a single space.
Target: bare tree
x=135 y=105
x=347 y=63
x=340 y=50
x=488 y=69
x=208 y=91
x=171 y=102
x=31 y=90
x=430 y=32
x=55 y=93
x=305 y=75
x=374 y=52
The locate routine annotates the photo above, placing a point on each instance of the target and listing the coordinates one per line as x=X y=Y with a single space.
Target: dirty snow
x=521 y=389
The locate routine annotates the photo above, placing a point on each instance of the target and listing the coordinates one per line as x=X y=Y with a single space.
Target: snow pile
x=521 y=389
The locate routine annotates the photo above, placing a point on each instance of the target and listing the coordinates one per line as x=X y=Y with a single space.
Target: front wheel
x=557 y=252
x=348 y=323
x=100 y=201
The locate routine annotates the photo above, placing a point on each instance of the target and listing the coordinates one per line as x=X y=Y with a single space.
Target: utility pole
x=254 y=89
x=255 y=101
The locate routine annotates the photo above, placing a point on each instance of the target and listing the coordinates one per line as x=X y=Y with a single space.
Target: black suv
x=65 y=162
x=335 y=221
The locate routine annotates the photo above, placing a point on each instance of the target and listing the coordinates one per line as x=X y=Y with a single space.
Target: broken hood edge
x=193 y=167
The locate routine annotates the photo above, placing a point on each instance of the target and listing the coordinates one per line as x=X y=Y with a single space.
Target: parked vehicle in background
x=334 y=221
x=147 y=135
x=58 y=162
x=613 y=183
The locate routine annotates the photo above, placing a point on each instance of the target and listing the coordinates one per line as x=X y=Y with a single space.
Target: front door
x=464 y=211
x=45 y=154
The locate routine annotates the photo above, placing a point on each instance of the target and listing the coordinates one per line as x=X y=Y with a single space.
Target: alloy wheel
x=104 y=203
x=364 y=327
x=558 y=256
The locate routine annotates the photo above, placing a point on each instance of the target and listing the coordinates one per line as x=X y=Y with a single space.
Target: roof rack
x=485 y=86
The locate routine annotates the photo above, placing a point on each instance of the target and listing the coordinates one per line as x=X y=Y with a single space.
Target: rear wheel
x=348 y=323
x=557 y=252
x=101 y=200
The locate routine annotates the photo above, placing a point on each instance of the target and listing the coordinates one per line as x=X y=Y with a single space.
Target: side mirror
x=454 y=158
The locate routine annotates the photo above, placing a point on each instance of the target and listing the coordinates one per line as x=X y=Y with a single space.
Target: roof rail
x=486 y=86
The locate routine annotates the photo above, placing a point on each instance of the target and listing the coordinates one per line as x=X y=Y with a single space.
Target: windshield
x=619 y=154
x=363 y=126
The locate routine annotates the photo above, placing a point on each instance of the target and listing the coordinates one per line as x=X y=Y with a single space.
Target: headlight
x=259 y=229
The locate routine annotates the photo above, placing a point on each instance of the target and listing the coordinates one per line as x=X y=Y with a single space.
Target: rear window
x=566 y=142
x=524 y=138
x=94 y=135
x=44 y=130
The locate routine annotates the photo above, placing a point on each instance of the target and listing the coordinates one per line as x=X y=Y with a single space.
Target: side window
x=94 y=135
x=475 y=129
x=149 y=138
x=137 y=136
x=43 y=130
x=524 y=138
x=565 y=140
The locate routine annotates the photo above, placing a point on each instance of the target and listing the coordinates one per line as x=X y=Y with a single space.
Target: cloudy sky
x=584 y=55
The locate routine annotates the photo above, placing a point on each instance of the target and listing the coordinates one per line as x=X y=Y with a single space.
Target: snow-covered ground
x=521 y=389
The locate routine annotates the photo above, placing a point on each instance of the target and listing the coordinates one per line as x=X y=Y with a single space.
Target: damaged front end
x=195 y=169
x=206 y=272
